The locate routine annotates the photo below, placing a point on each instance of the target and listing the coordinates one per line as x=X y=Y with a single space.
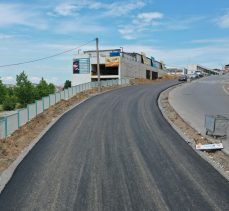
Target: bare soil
x=218 y=157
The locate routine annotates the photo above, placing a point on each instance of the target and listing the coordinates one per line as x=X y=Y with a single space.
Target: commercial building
x=199 y=68
x=114 y=64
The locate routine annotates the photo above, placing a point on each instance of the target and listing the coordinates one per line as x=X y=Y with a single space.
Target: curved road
x=206 y=96
x=115 y=152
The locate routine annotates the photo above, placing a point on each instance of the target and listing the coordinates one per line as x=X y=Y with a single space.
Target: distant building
x=226 y=68
x=176 y=70
x=114 y=64
x=199 y=68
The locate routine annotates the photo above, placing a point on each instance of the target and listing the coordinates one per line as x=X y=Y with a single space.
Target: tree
x=67 y=84
x=52 y=88
x=25 y=91
x=9 y=102
x=3 y=91
x=44 y=89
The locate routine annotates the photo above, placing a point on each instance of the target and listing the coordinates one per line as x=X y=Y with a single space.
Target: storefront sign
x=112 y=61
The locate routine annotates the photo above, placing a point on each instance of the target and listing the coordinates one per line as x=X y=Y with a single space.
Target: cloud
x=148 y=17
x=118 y=8
x=34 y=79
x=8 y=80
x=142 y=22
x=212 y=41
x=19 y=14
x=5 y=36
x=155 y=22
x=223 y=21
x=82 y=26
x=65 y=9
x=182 y=24
x=123 y=8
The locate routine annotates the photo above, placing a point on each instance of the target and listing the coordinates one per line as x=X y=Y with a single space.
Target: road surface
x=206 y=96
x=115 y=152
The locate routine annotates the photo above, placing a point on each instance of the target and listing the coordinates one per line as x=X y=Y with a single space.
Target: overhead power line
x=47 y=57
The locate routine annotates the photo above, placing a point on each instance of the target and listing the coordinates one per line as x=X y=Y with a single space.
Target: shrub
x=9 y=102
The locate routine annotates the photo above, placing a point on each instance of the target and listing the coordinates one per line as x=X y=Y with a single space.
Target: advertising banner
x=81 y=66
x=112 y=61
x=76 y=66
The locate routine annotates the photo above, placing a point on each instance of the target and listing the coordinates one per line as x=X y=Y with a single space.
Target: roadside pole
x=98 y=67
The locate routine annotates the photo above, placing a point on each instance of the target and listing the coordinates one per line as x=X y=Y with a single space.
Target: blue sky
x=177 y=32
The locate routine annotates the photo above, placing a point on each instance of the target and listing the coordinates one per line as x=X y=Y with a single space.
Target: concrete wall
x=132 y=69
x=80 y=79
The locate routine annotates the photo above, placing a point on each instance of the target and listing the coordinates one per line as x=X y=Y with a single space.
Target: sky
x=177 y=32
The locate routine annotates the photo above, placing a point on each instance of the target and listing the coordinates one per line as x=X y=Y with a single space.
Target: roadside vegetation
x=23 y=93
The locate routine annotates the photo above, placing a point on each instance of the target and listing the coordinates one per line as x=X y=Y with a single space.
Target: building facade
x=199 y=68
x=114 y=64
x=226 y=68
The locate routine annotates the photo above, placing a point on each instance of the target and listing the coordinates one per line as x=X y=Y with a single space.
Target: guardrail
x=12 y=122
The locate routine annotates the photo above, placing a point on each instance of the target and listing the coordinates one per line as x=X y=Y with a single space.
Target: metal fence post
x=36 y=107
x=28 y=111
x=6 y=127
x=49 y=101
x=18 y=118
x=43 y=104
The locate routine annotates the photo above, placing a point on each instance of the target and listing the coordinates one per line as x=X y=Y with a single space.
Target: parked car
x=199 y=74
x=183 y=78
x=193 y=76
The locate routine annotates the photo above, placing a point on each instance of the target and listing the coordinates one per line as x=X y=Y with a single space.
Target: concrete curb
x=6 y=175
x=211 y=140
x=189 y=141
x=225 y=90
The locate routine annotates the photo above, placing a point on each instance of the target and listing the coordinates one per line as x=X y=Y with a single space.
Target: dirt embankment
x=219 y=158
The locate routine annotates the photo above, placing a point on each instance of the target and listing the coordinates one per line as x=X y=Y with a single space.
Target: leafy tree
x=44 y=89
x=3 y=91
x=67 y=84
x=52 y=88
x=25 y=91
x=9 y=102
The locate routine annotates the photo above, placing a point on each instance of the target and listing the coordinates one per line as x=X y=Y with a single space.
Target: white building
x=114 y=64
x=199 y=68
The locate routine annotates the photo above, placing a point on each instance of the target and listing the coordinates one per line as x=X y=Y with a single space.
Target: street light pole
x=98 y=66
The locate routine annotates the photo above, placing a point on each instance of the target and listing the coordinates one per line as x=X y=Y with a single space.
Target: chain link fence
x=12 y=122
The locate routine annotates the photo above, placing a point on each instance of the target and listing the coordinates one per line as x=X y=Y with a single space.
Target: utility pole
x=98 y=67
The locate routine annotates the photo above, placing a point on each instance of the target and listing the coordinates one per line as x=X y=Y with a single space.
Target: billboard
x=112 y=61
x=81 y=66
x=76 y=69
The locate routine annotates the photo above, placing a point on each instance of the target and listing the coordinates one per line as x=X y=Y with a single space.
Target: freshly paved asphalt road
x=115 y=152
